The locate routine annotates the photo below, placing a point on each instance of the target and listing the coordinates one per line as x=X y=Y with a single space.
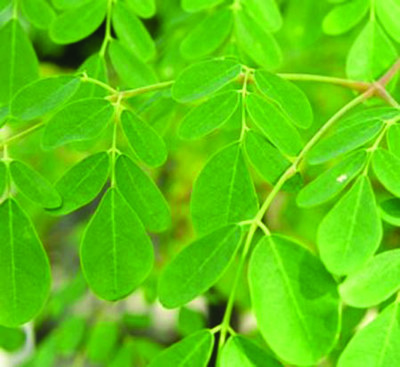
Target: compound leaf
x=142 y=195
x=34 y=186
x=116 y=253
x=25 y=270
x=198 y=266
x=351 y=232
x=223 y=192
x=387 y=169
x=294 y=299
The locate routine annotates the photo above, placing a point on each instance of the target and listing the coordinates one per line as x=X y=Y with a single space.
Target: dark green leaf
x=390 y=211
x=387 y=169
x=198 y=266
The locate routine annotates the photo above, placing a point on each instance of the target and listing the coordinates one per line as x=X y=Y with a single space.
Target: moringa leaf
x=198 y=266
x=387 y=169
x=143 y=8
x=265 y=12
x=210 y=115
x=388 y=13
x=351 y=232
x=375 y=282
x=294 y=299
x=38 y=12
x=223 y=192
x=102 y=342
x=142 y=195
x=115 y=230
x=79 y=120
x=24 y=267
x=393 y=140
x=144 y=140
x=390 y=211
x=34 y=186
x=3 y=177
x=196 y=5
x=204 y=78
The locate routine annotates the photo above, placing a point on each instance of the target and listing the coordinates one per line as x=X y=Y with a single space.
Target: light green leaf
x=390 y=211
x=223 y=192
x=131 y=31
x=258 y=43
x=351 y=133
x=3 y=177
x=334 y=180
x=345 y=16
x=387 y=169
x=273 y=124
x=115 y=230
x=377 y=344
x=290 y=99
x=294 y=299
x=198 y=266
x=393 y=139
x=82 y=183
x=208 y=35
x=351 y=232
x=210 y=115
x=78 y=22
x=43 y=96
x=19 y=64
x=125 y=354
x=265 y=12
x=34 y=186
x=102 y=342
x=142 y=195
x=389 y=14
x=196 y=5
x=240 y=351
x=38 y=12
x=371 y=54
x=144 y=140
x=68 y=4
x=373 y=283
x=266 y=159
x=204 y=78
x=193 y=351
x=143 y=8
x=24 y=267
x=133 y=72
x=4 y=4
x=80 y=120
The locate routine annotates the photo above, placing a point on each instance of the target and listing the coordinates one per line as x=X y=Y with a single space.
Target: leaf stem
x=87 y=79
x=114 y=151
x=21 y=134
x=142 y=90
x=243 y=93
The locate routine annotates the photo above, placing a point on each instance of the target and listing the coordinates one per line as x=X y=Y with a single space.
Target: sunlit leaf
x=387 y=169
x=389 y=12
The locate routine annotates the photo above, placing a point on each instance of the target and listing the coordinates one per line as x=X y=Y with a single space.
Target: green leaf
x=351 y=133
x=393 y=139
x=198 y=266
x=124 y=356
x=267 y=160
x=223 y=192
x=265 y=13
x=204 y=78
x=345 y=16
x=273 y=124
x=371 y=54
x=144 y=140
x=196 y=5
x=115 y=230
x=390 y=211
x=377 y=344
x=34 y=186
x=70 y=335
x=43 y=96
x=80 y=120
x=3 y=177
x=294 y=299
x=327 y=185
x=79 y=22
x=24 y=267
x=68 y=4
x=143 y=8
x=11 y=339
x=387 y=169
x=208 y=35
x=389 y=13
x=351 y=232
x=210 y=115
x=190 y=321
x=38 y=12
x=133 y=72
x=131 y=31
x=373 y=283
x=258 y=43
x=142 y=194
x=82 y=183
x=290 y=99
x=193 y=351
x=19 y=64
x=102 y=342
